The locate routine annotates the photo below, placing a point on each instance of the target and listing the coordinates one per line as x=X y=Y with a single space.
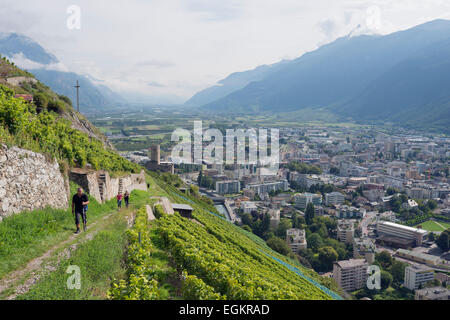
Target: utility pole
x=78 y=96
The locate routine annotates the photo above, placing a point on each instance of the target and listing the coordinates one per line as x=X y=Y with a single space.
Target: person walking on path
x=126 y=197
x=119 y=200
x=79 y=203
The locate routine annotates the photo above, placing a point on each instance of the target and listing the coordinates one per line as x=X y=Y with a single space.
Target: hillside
x=49 y=124
x=356 y=77
x=231 y=262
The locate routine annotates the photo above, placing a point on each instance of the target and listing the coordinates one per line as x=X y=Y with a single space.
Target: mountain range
x=401 y=77
x=47 y=68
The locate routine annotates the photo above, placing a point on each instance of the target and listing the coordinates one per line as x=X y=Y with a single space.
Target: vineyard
x=215 y=260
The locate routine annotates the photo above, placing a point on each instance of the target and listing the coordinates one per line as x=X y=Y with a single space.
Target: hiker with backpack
x=79 y=207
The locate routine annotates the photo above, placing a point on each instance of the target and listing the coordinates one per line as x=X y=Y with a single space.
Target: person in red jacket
x=119 y=200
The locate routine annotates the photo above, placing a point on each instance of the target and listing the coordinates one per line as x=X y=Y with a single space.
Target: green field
x=432 y=225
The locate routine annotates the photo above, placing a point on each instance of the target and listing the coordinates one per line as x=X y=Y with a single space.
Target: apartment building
x=267 y=187
x=274 y=217
x=228 y=187
x=345 y=231
x=296 y=239
x=364 y=248
x=248 y=206
x=349 y=212
x=417 y=275
x=334 y=198
x=351 y=274
x=302 y=199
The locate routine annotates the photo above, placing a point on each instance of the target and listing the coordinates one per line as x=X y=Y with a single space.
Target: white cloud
x=27 y=64
x=179 y=44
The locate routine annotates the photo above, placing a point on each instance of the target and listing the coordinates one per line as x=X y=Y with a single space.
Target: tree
x=432 y=204
x=246 y=219
x=315 y=242
x=397 y=270
x=386 y=279
x=395 y=204
x=55 y=106
x=40 y=101
x=309 y=213
x=334 y=170
x=443 y=240
x=278 y=245
x=263 y=226
x=282 y=227
x=390 y=191
x=294 y=219
x=384 y=258
x=193 y=190
x=327 y=255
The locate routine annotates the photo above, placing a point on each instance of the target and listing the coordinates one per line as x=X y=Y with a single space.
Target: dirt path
x=440 y=225
x=23 y=279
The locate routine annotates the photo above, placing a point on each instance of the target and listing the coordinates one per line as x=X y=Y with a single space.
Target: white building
x=302 y=199
x=401 y=231
x=228 y=187
x=334 y=198
x=267 y=187
x=348 y=212
x=417 y=275
x=409 y=204
x=351 y=274
x=345 y=231
x=296 y=239
x=248 y=206
x=364 y=248
x=274 y=217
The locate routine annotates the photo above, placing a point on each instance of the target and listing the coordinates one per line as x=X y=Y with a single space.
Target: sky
x=171 y=49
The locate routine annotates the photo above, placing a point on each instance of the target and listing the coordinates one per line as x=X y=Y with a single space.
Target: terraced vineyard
x=231 y=262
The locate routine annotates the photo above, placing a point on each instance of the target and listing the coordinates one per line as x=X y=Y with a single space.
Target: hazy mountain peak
x=12 y=44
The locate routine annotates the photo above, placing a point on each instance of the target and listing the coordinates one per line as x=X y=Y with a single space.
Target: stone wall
x=102 y=187
x=29 y=181
x=87 y=180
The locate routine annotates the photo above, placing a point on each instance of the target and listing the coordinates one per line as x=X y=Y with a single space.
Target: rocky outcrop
x=29 y=181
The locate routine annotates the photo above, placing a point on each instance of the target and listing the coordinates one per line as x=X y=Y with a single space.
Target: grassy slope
x=27 y=235
x=99 y=260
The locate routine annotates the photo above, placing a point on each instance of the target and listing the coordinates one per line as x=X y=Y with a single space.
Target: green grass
x=432 y=225
x=27 y=235
x=100 y=261
x=167 y=274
